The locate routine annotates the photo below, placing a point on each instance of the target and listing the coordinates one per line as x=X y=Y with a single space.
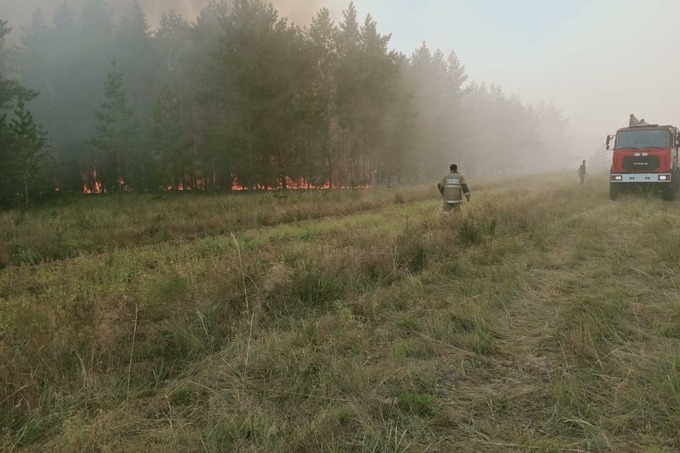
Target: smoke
x=19 y=12
x=299 y=11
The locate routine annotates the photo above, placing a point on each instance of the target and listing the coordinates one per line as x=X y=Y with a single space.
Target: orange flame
x=91 y=184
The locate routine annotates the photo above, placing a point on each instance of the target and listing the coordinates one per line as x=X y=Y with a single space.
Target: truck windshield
x=643 y=139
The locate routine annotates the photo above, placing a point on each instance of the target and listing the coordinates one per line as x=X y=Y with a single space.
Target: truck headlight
x=664 y=177
x=617 y=178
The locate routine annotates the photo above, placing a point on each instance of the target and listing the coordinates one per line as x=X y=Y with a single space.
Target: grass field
x=545 y=319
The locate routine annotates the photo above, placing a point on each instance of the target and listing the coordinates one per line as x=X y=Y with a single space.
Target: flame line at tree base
x=91 y=186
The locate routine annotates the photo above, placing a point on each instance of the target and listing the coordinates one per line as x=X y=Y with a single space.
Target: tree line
x=241 y=98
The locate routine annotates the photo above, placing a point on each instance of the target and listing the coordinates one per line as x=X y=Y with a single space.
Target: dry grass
x=545 y=319
x=98 y=224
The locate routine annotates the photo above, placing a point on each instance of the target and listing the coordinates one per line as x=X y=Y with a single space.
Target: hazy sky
x=598 y=60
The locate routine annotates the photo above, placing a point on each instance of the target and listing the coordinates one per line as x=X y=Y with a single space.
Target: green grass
x=545 y=318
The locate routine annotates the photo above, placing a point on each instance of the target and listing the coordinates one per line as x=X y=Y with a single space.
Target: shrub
x=27 y=256
x=418 y=404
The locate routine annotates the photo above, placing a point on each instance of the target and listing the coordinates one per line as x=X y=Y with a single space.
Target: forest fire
x=96 y=188
x=91 y=184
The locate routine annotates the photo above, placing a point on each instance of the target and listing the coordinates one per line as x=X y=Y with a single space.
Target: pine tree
x=200 y=79
x=137 y=58
x=264 y=69
x=367 y=89
x=28 y=148
x=116 y=132
x=171 y=138
x=437 y=88
x=10 y=90
x=319 y=158
x=173 y=39
x=347 y=95
x=22 y=141
x=173 y=116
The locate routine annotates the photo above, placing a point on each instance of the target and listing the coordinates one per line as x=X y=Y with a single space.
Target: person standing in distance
x=582 y=173
x=452 y=187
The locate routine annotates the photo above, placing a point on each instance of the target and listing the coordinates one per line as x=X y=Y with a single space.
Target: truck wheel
x=614 y=191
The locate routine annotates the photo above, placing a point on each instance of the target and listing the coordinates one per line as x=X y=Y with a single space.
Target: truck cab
x=645 y=157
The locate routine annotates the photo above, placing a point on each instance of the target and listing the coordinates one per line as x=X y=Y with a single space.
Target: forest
x=241 y=98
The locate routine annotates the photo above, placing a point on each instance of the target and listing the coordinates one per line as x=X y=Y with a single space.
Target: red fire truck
x=645 y=158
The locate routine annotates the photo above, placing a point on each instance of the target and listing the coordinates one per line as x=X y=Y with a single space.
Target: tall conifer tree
x=115 y=139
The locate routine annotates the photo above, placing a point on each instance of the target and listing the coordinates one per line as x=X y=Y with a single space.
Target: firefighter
x=582 y=172
x=453 y=187
x=633 y=121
